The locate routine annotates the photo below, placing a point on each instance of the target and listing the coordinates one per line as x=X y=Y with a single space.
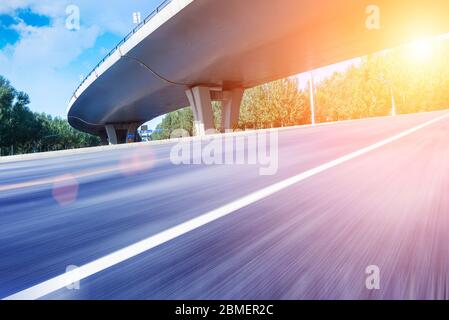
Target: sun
x=420 y=50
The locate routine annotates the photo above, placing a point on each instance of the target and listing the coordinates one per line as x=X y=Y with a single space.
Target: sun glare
x=420 y=50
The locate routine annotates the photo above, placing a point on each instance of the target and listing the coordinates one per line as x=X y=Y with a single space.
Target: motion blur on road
x=313 y=240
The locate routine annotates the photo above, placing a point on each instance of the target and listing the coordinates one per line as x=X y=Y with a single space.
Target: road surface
x=353 y=203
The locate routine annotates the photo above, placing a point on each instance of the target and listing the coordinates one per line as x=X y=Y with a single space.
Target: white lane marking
x=42 y=289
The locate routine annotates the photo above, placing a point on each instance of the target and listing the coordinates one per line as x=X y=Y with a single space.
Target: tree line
x=364 y=89
x=23 y=131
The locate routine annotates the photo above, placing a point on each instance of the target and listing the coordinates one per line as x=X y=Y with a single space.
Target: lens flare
x=65 y=189
x=136 y=161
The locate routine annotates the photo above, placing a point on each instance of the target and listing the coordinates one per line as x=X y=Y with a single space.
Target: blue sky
x=40 y=56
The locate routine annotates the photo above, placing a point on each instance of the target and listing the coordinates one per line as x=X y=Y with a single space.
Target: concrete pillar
x=104 y=139
x=200 y=100
x=131 y=134
x=230 y=111
x=112 y=135
x=120 y=133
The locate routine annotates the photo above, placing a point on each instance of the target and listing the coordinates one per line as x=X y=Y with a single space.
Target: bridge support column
x=200 y=100
x=104 y=139
x=112 y=135
x=131 y=133
x=121 y=133
x=230 y=110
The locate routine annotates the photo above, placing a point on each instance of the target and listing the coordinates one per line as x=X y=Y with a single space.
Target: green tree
x=23 y=131
x=180 y=119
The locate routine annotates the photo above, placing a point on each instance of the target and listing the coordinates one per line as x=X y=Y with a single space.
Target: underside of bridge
x=194 y=52
x=200 y=99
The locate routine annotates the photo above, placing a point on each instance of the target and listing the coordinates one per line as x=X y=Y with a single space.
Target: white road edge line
x=42 y=289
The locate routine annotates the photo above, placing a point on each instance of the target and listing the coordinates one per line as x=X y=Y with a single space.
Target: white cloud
x=33 y=63
x=39 y=62
x=9 y=6
x=55 y=46
x=3 y=59
x=44 y=7
x=112 y=15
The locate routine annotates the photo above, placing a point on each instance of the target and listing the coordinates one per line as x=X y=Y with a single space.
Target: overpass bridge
x=192 y=52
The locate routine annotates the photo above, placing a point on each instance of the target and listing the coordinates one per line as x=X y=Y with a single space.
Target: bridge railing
x=126 y=38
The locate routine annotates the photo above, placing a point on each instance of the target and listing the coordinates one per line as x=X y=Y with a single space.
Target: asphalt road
x=313 y=239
